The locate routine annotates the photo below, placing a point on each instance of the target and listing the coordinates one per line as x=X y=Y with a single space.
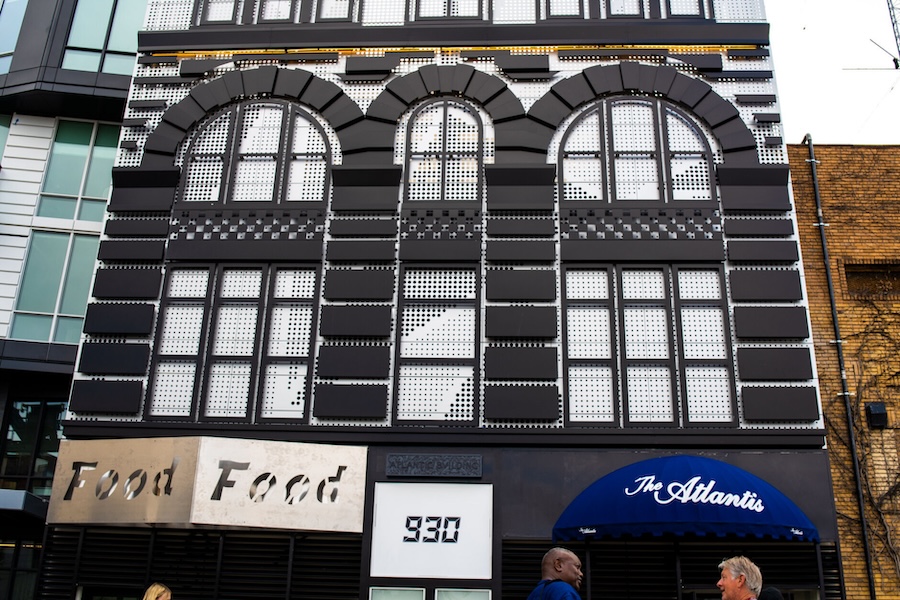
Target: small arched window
x=444 y=156
x=258 y=153
x=634 y=150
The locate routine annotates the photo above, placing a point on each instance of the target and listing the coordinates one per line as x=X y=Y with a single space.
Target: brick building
x=390 y=293
x=858 y=188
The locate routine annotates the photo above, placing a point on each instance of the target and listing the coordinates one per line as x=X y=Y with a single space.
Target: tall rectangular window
x=244 y=333
x=11 y=14
x=79 y=175
x=54 y=288
x=669 y=327
x=438 y=347
x=103 y=36
x=30 y=444
x=5 y=121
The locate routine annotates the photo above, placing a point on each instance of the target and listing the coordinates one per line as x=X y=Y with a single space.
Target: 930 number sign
x=432 y=530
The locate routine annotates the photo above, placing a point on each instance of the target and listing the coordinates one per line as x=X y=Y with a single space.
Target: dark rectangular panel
x=531 y=252
x=352 y=362
x=107 y=397
x=521 y=227
x=520 y=197
x=360 y=251
x=520 y=322
x=365 y=198
x=124 y=199
x=758 y=286
x=520 y=363
x=114 y=359
x=777 y=322
x=363 y=228
x=759 y=227
x=780 y=403
x=350 y=401
x=130 y=250
x=774 y=364
x=119 y=319
x=131 y=284
x=137 y=227
x=538 y=402
x=642 y=250
x=737 y=198
x=246 y=250
x=440 y=250
x=537 y=286
x=356 y=321
x=763 y=251
x=359 y=285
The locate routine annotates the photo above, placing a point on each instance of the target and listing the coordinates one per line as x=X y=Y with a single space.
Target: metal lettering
x=227 y=466
x=77 y=482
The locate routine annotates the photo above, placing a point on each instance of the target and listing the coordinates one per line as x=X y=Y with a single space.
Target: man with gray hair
x=740 y=580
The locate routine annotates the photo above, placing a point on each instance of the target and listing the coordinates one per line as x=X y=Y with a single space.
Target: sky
x=834 y=81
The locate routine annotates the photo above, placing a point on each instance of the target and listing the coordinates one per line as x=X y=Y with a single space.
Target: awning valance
x=682 y=495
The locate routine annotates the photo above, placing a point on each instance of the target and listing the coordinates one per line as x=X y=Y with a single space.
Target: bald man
x=560 y=576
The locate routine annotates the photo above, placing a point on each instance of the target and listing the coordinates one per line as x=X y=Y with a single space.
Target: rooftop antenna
x=894 y=9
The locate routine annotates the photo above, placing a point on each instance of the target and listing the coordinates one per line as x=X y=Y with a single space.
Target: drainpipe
x=845 y=391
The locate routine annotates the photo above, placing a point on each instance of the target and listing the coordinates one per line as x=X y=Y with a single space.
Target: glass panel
x=81 y=60
x=57 y=208
x=11 y=13
x=68 y=330
x=462 y=594
x=396 y=594
x=92 y=210
x=118 y=64
x=5 y=61
x=103 y=155
x=78 y=276
x=128 y=20
x=31 y=327
x=21 y=439
x=5 y=120
x=90 y=24
x=43 y=272
x=48 y=445
x=68 y=157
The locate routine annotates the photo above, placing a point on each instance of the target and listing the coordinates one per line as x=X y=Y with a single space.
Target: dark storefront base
x=120 y=562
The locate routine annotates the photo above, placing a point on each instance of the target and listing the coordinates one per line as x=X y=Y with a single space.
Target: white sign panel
x=432 y=530
x=182 y=482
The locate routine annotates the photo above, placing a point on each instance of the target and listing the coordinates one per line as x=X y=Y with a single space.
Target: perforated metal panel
x=284 y=391
x=173 y=389
x=235 y=332
x=703 y=333
x=181 y=329
x=436 y=393
x=708 y=390
x=591 y=393
x=513 y=11
x=228 y=389
x=587 y=285
x=335 y=9
x=589 y=333
x=625 y=7
x=437 y=331
x=424 y=284
x=650 y=394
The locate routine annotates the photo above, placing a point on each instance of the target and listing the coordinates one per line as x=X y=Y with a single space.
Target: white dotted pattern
x=436 y=393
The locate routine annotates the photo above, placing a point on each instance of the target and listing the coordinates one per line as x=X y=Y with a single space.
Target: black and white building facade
x=383 y=285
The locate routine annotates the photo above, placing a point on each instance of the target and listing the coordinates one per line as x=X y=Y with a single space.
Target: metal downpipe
x=845 y=391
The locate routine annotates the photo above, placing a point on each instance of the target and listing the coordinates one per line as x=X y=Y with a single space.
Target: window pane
x=646 y=336
x=334 y=9
x=591 y=393
x=276 y=10
x=684 y=7
x=4 y=131
x=48 y=445
x=81 y=60
x=708 y=393
x=118 y=64
x=396 y=594
x=284 y=392
x=90 y=23
x=219 y=10
x=433 y=8
x=68 y=330
x=625 y=7
x=43 y=272
x=5 y=61
x=11 y=14
x=637 y=177
x=92 y=210
x=24 y=430
x=588 y=332
x=103 y=155
x=462 y=594
x=306 y=180
x=68 y=157
x=559 y=8
x=58 y=208
x=229 y=390
x=128 y=20
x=78 y=277
x=649 y=394
x=31 y=327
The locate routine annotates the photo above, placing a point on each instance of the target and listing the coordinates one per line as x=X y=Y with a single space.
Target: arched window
x=444 y=158
x=636 y=151
x=258 y=152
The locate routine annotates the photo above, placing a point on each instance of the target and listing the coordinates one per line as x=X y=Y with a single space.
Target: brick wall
x=860 y=197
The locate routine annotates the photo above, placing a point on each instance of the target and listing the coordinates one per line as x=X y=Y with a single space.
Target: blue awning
x=682 y=495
